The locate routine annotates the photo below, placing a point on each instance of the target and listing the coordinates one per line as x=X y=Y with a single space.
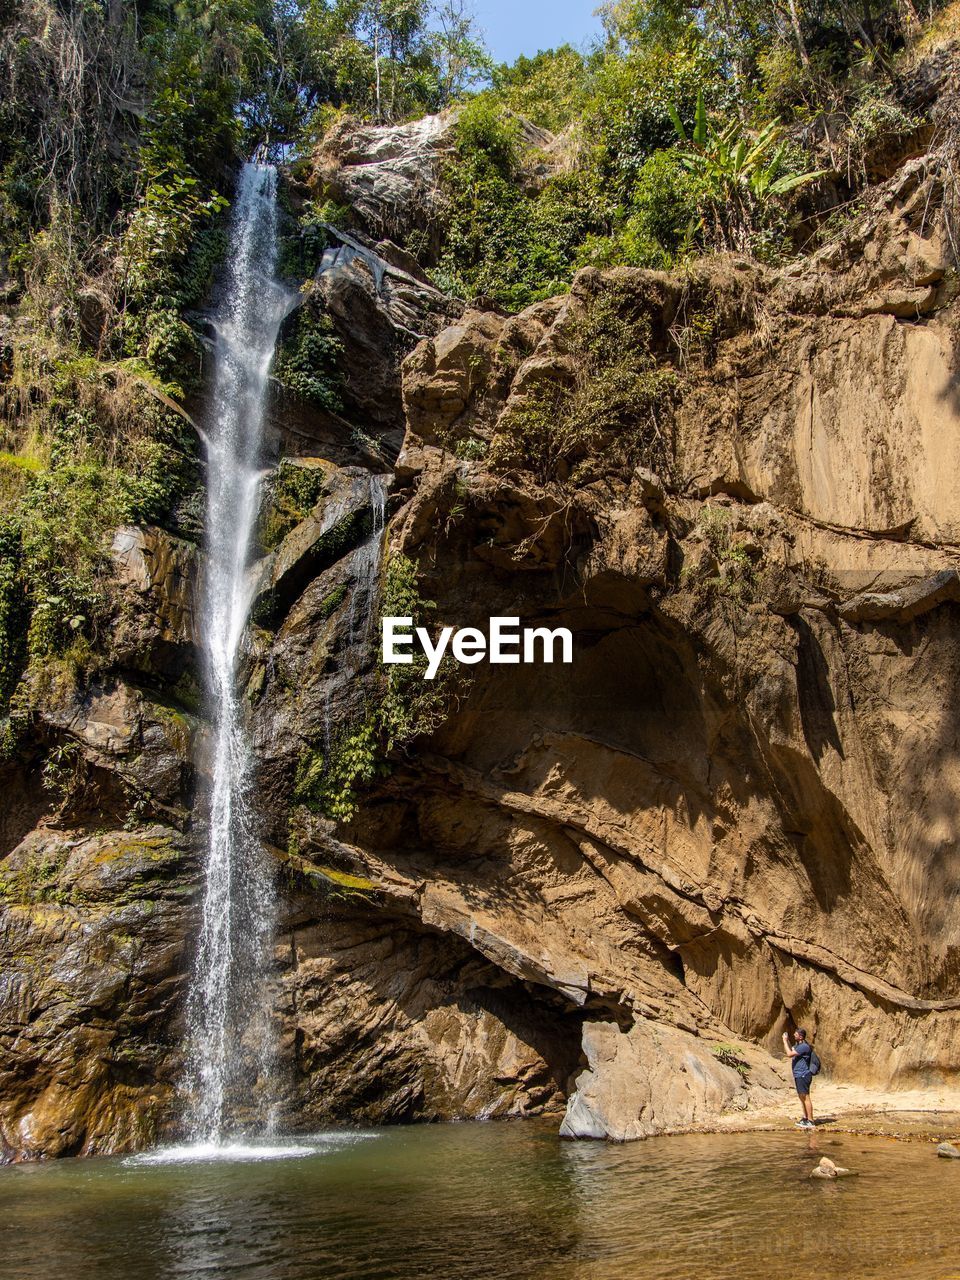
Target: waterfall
x=366 y=566
x=230 y=1043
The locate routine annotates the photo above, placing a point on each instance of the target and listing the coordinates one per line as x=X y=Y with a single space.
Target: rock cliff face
x=600 y=890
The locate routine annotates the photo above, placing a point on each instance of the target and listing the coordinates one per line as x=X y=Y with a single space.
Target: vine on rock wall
x=308 y=358
x=405 y=707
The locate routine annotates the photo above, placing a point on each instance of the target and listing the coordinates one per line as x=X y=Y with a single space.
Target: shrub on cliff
x=97 y=445
x=612 y=414
x=551 y=89
x=308 y=357
x=739 y=178
x=330 y=777
x=505 y=239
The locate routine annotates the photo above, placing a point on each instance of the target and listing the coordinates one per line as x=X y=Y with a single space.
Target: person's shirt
x=801 y=1063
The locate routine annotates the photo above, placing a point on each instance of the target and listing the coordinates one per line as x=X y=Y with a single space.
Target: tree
x=391 y=58
x=371 y=44
x=552 y=88
x=458 y=51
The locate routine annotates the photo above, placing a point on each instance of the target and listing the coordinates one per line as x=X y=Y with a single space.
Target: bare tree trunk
x=867 y=24
x=376 y=62
x=736 y=61
x=863 y=25
x=909 y=18
x=855 y=21
x=798 y=33
x=394 y=58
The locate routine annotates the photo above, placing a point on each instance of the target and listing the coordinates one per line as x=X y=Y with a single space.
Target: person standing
x=800 y=1055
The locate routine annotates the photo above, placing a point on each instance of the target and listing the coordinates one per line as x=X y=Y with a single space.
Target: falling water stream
x=231 y=1049
x=367 y=565
x=231 y=1046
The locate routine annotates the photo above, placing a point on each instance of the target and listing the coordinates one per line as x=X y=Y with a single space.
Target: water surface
x=493 y=1202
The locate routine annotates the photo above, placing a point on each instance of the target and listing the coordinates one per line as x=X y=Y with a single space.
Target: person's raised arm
x=791 y=1053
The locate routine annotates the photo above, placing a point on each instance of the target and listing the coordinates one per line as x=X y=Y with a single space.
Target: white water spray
x=231 y=1048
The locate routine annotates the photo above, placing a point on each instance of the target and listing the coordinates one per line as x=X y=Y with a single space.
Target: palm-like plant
x=738 y=176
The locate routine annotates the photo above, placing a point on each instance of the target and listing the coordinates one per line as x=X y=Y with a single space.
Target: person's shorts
x=803 y=1084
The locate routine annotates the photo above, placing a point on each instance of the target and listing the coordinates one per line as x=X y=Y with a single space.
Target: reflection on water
x=491 y=1202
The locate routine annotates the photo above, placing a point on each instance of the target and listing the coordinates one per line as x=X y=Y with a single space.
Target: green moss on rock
x=308 y=358
x=332 y=601
x=292 y=493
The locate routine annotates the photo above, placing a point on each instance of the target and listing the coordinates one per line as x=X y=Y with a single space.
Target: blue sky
x=513 y=27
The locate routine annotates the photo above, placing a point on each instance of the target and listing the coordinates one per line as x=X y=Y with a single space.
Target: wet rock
x=387 y=174
x=92 y=954
x=379 y=309
x=145 y=741
x=379 y=312
x=341 y=521
x=947 y=1151
x=157 y=577
x=827 y=1169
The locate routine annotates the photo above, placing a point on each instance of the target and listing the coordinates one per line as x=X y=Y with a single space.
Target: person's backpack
x=814 y=1063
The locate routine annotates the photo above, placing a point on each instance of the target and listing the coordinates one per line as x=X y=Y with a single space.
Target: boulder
x=145 y=743
x=388 y=174
x=651 y=1079
x=380 y=309
x=827 y=1169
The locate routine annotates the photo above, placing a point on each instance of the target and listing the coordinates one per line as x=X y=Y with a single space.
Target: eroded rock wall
x=738 y=808
x=98 y=877
x=602 y=889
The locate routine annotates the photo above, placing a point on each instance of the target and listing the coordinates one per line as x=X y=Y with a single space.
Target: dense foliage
x=308 y=357
x=388 y=59
x=502 y=242
x=690 y=128
x=121 y=127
